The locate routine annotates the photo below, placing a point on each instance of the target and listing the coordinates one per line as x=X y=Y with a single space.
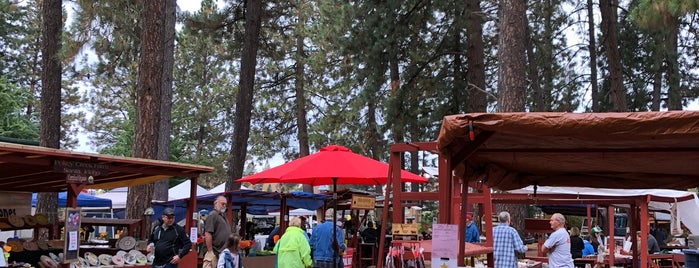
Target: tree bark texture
x=512 y=77
x=301 y=121
x=161 y=187
x=658 y=56
x=50 y=136
x=609 y=20
x=475 y=55
x=533 y=70
x=674 y=94
x=243 y=103
x=511 y=55
x=148 y=100
x=592 y=48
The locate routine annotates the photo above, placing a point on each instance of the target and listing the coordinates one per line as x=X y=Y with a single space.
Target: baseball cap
x=468 y=217
x=203 y=212
x=169 y=211
x=596 y=229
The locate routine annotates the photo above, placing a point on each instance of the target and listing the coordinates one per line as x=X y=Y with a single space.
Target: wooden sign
x=362 y=202
x=404 y=229
x=79 y=179
x=80 y=168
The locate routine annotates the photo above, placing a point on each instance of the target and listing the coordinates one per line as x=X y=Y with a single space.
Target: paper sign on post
x=445 y=245
x=193 y=234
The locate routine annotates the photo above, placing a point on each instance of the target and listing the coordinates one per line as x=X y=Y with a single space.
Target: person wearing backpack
x=169 y=242
x=230 y=257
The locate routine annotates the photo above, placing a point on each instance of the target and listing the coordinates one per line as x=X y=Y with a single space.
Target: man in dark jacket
x=169 y=242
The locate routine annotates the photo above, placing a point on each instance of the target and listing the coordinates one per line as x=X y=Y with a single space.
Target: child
x=230 y=258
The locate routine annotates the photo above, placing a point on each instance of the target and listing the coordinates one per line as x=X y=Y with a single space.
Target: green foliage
x=14 y=122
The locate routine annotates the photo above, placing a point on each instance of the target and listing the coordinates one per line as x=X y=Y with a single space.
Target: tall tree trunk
x=301 y=121
x=547 y=58
x=511 y=55
x=533 y=70
x=674 y=94
x=592 y=48
x=658 y=56
x=512 y=76
x=52 y=21
x=148 y=100
x=243 y=102
x=608 y=9
x=394 y=75
x=372 y=135
x=161 y=187
x=475 y=55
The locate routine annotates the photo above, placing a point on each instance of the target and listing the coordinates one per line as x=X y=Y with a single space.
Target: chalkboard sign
x=72 y=231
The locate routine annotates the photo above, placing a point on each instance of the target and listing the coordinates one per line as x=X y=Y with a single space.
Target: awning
x=641 y=150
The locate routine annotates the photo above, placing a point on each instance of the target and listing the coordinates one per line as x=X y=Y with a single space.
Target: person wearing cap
x=169 y=242
x=202 y=219
x=471 y=235
x=557 y=246
x=595 y=239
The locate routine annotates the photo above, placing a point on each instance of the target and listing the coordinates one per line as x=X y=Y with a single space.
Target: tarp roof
x=256 y=200
x=641 y=150
x=84 y=200
x=658 y=199
x=31 y=169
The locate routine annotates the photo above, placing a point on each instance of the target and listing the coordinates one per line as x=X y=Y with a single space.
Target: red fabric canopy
x=332 y=161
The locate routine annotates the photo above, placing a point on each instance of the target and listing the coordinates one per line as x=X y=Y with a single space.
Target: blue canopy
x=258 y=202
x=84 y=200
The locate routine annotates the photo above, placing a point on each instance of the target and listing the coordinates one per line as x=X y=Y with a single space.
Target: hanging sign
x=404 y=229
x=82 y=168
x=80 y=172
x=362 y=202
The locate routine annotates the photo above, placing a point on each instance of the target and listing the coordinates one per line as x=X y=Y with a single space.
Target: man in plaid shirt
x=506 y=242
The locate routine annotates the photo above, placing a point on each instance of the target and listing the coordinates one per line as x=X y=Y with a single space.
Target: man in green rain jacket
x=292 y=249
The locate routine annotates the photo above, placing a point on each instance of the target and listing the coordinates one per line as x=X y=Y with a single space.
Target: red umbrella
x=333 y=165
x=333 y=161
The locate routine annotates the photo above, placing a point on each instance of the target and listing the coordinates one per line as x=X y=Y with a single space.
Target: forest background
x=236 y=83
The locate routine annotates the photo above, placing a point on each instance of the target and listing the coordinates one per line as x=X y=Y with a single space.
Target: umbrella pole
x=336 y=245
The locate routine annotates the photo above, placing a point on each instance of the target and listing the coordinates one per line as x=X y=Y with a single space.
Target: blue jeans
x=327 y=264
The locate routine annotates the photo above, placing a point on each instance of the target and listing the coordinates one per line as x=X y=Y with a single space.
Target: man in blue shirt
x=471 y=235
x=506 y=242
x=322 y=245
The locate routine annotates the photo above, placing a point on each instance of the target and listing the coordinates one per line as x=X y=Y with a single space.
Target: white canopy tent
x=686 y=210
x=182 y=191
x=222 y=188
x=119 y=195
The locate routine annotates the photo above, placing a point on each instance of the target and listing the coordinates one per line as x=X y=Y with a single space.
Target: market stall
x=26 y=168
x=640 y=150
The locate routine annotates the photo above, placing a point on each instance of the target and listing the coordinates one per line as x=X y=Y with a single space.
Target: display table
x=470 y=249
x=667 y=260
x=259 y=261
x=31 y=256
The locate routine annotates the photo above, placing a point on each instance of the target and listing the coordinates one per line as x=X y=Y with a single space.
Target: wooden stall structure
x=450 y=197
x=640 y=150
x=25 y=168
